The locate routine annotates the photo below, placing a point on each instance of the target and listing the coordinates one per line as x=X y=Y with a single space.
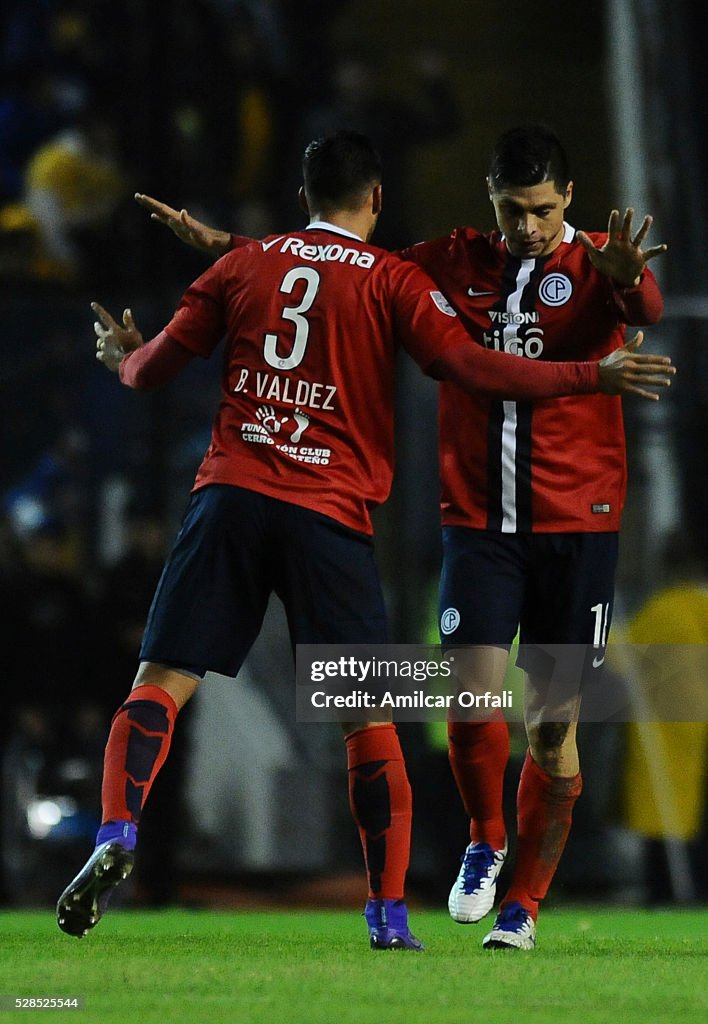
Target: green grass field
x=593 y=966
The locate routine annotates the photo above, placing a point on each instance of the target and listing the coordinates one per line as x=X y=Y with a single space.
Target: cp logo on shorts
x=449 y=621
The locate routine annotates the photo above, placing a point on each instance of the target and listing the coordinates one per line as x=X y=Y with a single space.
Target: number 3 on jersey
x=295 y=314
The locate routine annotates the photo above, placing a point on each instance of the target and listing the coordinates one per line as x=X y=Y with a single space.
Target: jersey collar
x=324 y=225
x=568 y=234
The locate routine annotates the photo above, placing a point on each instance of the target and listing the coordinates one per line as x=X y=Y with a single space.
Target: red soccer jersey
x=312 y=321
x=554 y=465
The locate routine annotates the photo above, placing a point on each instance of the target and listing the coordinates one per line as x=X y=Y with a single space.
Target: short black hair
x=529 y=155
x=339 y=169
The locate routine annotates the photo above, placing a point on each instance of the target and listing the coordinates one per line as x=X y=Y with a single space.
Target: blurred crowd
x=208 y=108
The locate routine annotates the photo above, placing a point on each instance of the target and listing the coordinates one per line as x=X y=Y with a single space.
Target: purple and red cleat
x=85 y=899
x=388 y=926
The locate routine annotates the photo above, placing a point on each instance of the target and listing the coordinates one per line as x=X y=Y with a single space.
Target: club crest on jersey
x=442 y=304
x=555 y=290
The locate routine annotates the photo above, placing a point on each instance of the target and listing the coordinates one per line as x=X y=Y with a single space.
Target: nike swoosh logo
x=596 y=662
x=471 y=292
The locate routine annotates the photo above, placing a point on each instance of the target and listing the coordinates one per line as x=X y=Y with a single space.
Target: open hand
x=624 y=370
x=114 y=341
x=186 y=227
x=621 y=257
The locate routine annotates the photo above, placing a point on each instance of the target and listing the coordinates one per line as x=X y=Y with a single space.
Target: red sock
x=138 y=743
x=478 y=754
x=545 y=809
x=381 y=804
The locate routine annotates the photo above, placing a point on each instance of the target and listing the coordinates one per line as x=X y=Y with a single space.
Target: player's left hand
x=114 y=341
x=622 y=257
x=187 y=228
x=625 y=370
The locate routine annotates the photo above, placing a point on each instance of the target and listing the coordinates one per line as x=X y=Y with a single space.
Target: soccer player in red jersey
x=304 y=431
x=532 y=495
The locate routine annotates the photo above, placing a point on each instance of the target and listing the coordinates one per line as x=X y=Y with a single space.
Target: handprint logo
x=268 y=419
x=273 y=424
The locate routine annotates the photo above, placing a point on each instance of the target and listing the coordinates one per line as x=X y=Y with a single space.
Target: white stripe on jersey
x=508 y=468
x=508 y=442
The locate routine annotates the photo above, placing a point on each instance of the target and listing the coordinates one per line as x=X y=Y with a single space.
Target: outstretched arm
x=499 y=375
x=139 y=364
x=187 y=228
x=622 y=258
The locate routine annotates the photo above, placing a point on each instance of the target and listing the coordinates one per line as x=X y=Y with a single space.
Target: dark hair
x=339 y=169
x=528 y=156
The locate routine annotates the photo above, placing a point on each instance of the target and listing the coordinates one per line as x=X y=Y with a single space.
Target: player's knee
x=547 y=742
x=179 y=684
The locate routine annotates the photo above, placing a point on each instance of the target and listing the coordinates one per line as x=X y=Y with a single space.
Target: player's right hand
x=187 y=228
x=622 y=257
x=625 y=370
x=113 y=341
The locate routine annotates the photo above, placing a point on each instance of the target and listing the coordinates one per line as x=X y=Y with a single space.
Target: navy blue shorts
x=553 y=588
x=235 y=548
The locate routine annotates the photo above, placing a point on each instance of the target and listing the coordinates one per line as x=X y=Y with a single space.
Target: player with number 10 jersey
x=557 y=465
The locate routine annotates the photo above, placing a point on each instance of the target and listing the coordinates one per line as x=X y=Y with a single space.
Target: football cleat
x=472 y=895
x=388 y=925
x=84 y=901
x=514 y=928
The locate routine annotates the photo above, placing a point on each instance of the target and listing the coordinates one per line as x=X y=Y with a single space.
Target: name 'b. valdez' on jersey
x=312 y=320
x=554 y=465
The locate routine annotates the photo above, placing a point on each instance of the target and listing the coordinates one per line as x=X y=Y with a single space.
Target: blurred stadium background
x=207 y=104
